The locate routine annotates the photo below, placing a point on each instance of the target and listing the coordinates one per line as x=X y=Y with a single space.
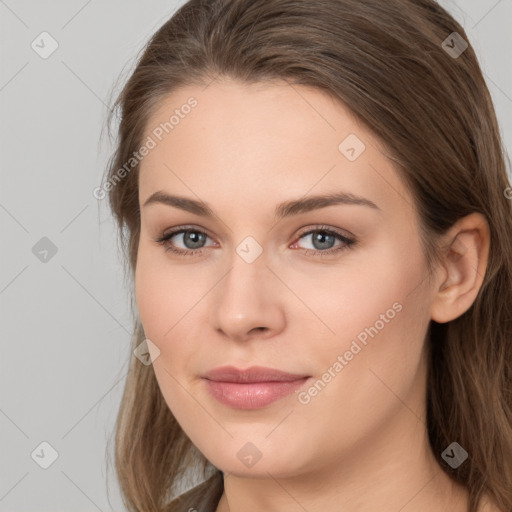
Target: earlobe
x=463 y=268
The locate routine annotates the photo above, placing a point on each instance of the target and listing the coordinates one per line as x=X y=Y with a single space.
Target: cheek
x=160 y=293
x=162 y=309
x=151 y=301
x=367 y=287
x=380 y=329
x=373 y=316
x=163 y=291
x=169 y=301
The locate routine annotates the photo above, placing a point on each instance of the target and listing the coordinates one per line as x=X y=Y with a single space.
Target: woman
x=315 y=209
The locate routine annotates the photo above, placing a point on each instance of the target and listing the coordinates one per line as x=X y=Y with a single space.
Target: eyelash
x=348 y=243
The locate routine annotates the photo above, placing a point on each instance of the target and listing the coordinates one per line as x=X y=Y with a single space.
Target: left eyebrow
x=311 y=203
x=286 y=209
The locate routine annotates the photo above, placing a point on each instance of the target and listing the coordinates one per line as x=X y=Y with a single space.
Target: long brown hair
x=393 y=64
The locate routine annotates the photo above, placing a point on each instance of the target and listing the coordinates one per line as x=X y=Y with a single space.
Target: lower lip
x=253 y=395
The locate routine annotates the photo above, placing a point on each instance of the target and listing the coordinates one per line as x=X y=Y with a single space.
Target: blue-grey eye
x=192 y=239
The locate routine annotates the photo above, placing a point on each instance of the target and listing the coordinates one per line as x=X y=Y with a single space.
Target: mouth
x=252 y=388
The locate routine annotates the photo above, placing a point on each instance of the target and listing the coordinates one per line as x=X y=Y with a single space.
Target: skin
x=361 y=442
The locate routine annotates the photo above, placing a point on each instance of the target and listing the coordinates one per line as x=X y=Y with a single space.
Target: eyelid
x=182 y=228
x=319 y=227
x=347 y=240
x=177 y=230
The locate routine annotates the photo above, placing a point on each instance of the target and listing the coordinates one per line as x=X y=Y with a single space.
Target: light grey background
x=66 y=323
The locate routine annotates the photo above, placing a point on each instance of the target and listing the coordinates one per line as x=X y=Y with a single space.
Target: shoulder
x=201 y=498
x=487 y=505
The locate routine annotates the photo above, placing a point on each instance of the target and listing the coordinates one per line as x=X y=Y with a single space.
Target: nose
x=249 y=301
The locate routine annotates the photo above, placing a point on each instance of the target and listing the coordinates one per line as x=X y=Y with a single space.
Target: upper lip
x=252 y=374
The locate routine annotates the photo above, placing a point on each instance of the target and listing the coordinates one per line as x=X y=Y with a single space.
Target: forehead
x=262 y=143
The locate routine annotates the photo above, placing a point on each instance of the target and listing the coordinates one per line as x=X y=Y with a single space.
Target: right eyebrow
x=190 y=205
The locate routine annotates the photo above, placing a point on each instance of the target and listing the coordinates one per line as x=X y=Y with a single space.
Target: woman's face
x=265 y=282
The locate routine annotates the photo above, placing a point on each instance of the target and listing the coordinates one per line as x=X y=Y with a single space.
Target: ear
x=465 y=255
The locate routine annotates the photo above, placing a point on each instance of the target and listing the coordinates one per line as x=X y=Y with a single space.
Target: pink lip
x=252 y=388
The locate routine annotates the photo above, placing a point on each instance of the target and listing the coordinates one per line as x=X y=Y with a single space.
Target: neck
x=367 y=481
x=391 y=468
